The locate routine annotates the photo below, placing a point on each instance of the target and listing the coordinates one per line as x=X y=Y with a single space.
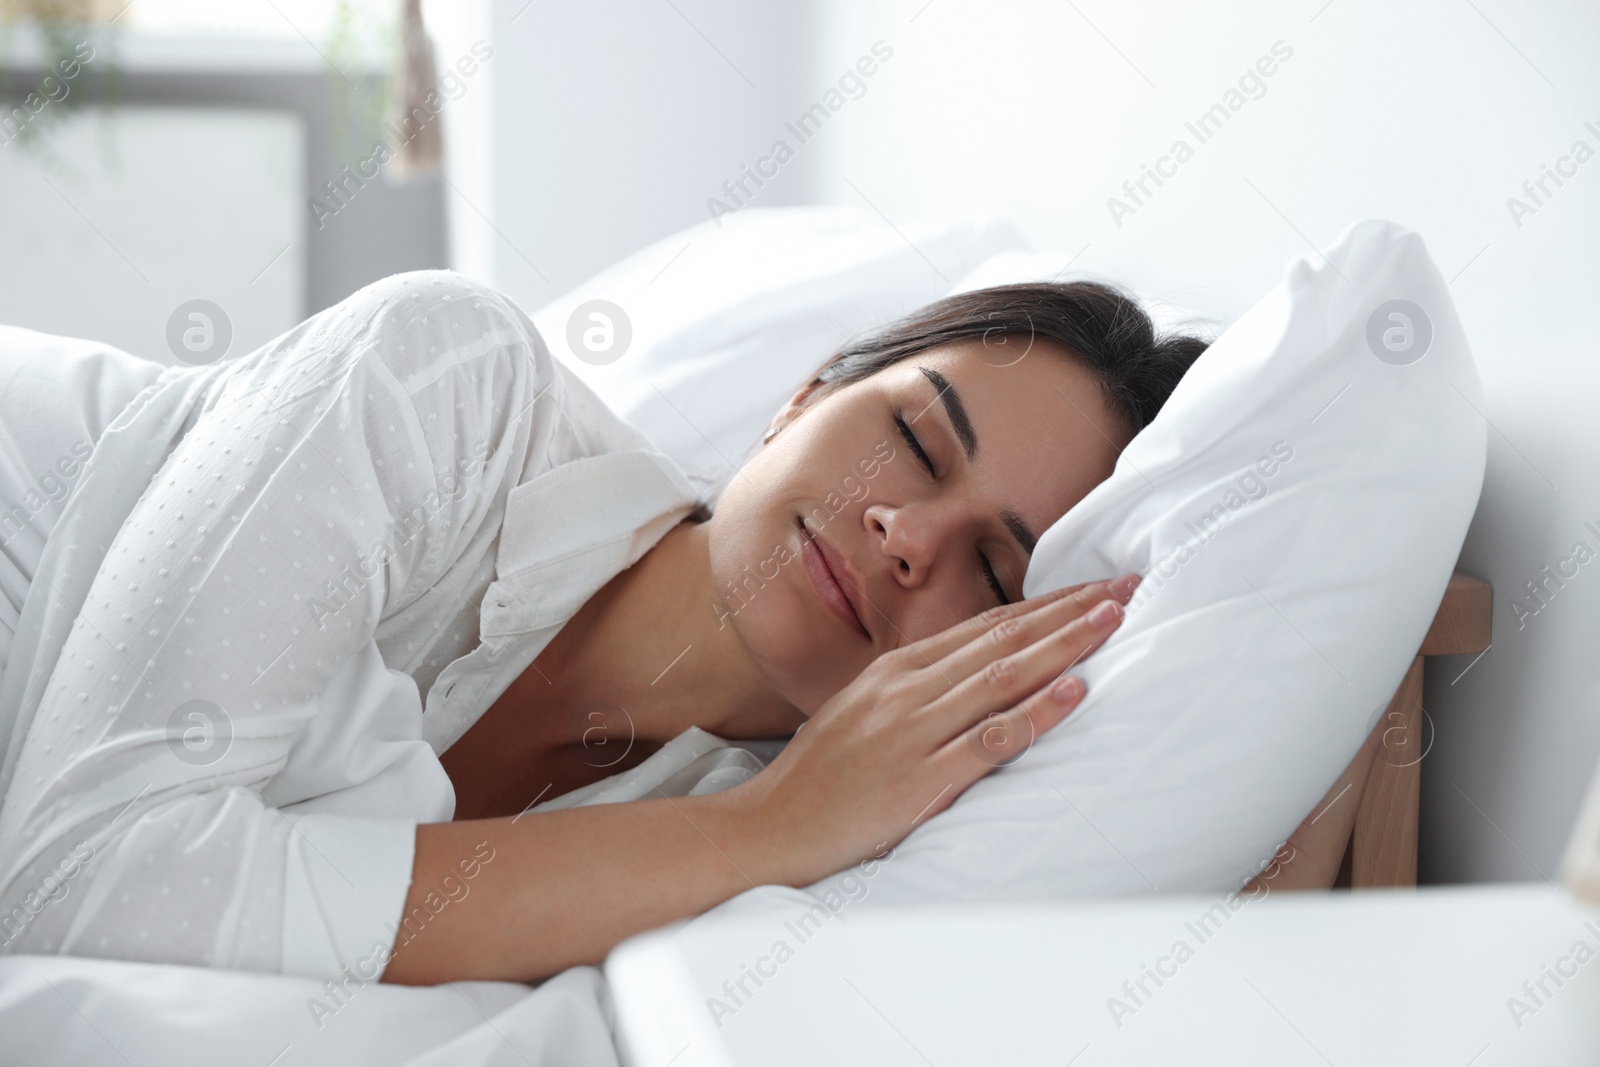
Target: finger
x=1010 y=679
x=1003 y=738
x=932 y=649
x=934 y=652
x=1010 y=636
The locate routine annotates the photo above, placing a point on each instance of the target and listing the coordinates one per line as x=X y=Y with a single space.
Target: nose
x=909 y=536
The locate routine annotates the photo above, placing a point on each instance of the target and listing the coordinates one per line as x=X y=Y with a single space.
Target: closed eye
x=912 y=442
x=993 y=579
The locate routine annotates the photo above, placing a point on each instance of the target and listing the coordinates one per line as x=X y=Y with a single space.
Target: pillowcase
x=719 y=326
x=1297 y=509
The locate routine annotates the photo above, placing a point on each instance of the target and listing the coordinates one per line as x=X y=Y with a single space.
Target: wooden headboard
x=1383 y=846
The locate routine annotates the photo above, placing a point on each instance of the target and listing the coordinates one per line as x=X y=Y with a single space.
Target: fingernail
x=1066 y=690
x=1123 y=587
x=1104 y=613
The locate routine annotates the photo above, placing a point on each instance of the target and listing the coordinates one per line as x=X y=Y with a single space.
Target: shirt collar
x=565 y=534
x=569 y=530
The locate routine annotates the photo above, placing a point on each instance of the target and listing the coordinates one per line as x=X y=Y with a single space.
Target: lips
x=830 y=578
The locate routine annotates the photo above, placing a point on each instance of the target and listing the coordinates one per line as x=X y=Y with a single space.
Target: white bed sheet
x=87 y=1012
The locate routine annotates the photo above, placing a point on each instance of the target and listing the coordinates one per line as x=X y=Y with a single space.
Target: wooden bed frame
x=1383 y=846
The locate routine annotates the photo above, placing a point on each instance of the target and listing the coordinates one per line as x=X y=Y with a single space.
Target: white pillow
x=1321 y=487
x=727 y=322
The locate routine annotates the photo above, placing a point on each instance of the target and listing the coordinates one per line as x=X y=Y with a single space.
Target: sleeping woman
x=317 y=629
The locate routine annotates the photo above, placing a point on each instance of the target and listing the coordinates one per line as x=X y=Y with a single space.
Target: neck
x=651 y=642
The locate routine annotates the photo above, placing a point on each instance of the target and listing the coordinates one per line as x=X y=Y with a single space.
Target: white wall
x=609 y=125
x=1431 y=113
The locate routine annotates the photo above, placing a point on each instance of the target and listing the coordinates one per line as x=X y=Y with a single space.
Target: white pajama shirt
x=280 y=587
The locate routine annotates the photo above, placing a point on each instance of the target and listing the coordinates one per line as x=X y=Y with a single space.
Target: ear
x=791 y=411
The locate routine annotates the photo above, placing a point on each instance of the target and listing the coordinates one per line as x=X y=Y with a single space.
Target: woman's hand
x=891 y=749
x=924 y=722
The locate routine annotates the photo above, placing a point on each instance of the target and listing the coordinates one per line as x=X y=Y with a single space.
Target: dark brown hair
x=1103 y=327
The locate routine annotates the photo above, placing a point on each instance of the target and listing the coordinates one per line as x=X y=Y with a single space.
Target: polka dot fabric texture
x=267 y=565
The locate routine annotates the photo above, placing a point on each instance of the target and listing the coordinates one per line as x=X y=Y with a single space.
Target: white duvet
x=80 y=1011
x=84 y=1012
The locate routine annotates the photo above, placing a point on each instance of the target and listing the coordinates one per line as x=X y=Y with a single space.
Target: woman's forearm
x=521 y=898
x=898 y=744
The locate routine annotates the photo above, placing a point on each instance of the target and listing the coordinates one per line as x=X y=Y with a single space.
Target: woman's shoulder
x=476 y=380
x=423 y=325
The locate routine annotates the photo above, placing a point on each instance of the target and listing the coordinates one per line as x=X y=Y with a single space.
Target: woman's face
x=902 y=504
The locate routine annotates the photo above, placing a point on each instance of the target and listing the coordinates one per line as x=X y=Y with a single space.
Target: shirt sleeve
x=331 y=477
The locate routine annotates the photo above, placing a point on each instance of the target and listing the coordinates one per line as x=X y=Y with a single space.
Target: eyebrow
x=969 y=444
x=954 y=408
x=1020 y=530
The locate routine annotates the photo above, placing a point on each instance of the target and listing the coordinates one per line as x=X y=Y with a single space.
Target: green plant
x=75 y=67
x=357 y=97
